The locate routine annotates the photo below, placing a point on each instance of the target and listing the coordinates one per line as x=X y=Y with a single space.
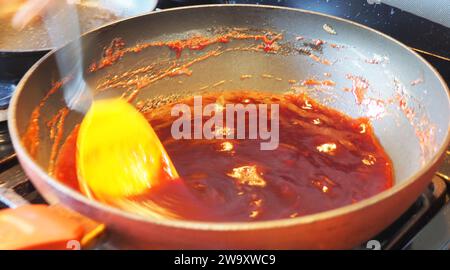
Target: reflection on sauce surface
x=324 y=160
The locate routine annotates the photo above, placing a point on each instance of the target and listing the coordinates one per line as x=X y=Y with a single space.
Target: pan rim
x=223 y=226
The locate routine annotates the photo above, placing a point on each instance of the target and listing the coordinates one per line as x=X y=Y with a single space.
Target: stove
x=425 y=225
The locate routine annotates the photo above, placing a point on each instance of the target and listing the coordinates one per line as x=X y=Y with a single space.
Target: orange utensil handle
x=44 y=227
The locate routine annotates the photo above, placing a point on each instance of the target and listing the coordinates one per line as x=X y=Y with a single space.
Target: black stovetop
x=426 y=225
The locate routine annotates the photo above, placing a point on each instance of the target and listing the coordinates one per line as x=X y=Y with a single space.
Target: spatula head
x=118 y=152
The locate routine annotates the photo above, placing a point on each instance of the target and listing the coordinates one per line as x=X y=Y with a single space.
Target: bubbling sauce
x=324 y=160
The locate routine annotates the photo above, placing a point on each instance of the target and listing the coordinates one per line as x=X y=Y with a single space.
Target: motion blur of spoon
x=118 y=152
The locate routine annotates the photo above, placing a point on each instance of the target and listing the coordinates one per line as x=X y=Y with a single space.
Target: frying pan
x=413 y=128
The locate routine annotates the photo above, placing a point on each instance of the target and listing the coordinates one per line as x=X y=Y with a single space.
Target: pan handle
x=41 y=226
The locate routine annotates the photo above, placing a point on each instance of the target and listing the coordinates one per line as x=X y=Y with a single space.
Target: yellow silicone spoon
x=118 y=152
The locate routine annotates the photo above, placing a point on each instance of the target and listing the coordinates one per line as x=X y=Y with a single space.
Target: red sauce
x=324 y=160
x=313 y=82
x=56 y=125
x=359 y=88
x=117 y=50
x=65 y=165
x=31 y=137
